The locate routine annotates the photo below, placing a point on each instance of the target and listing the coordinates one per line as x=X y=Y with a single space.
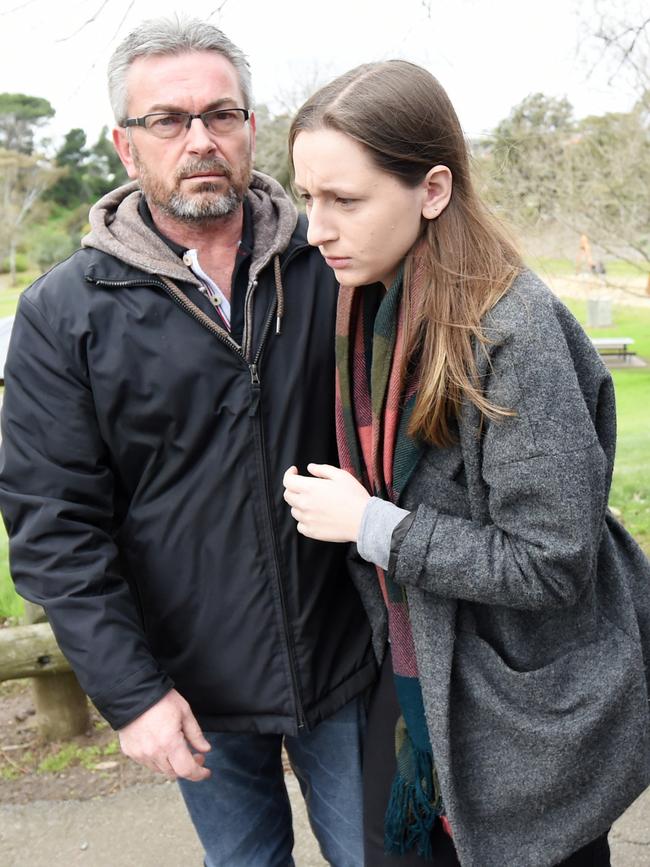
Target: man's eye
x=345 y=202
x=166 y=120
x=306 y=198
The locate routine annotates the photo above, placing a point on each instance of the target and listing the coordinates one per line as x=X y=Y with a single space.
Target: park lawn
x=628 y=321
x=630 y=492
x=9 y=300
x=11 y=605
x=618 y=269
x=631 y=483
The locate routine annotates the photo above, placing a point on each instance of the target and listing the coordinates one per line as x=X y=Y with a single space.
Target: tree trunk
x=12 y=263
x=61 y=704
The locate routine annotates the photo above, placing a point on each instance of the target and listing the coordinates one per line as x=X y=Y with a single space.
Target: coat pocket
x=555 y=742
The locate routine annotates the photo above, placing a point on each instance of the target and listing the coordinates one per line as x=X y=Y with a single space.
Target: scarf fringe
x=413 y=808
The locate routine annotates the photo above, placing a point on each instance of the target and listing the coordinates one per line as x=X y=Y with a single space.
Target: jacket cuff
x=132 y=696
x=375 y=532
x=399 y=534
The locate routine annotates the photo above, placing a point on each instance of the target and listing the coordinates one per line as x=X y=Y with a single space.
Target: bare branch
x=17 y=8
x=217 y=10
x=90 y=20
x=123 y=19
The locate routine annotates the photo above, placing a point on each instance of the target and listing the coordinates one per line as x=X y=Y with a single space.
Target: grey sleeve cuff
x=376 y=531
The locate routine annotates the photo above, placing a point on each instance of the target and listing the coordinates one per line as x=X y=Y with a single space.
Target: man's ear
x=437 y=187
x=122 y=144
x=253 y=131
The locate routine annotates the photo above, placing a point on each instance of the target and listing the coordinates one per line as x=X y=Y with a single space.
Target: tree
x=23 y=180
x=619 y=36
x=272 y=152
x=606 y=182
x=104 y=168
x=20 y=118
x=71 y=189
x=522 y=158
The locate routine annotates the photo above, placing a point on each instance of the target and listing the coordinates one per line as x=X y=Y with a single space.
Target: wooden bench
x=614 y=346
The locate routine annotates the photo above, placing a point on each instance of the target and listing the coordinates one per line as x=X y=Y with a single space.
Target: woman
x=476 y=433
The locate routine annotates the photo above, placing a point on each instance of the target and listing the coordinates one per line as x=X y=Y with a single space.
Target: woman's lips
x=337 y=262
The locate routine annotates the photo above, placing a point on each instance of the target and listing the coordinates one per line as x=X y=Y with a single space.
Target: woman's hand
x=327 y=506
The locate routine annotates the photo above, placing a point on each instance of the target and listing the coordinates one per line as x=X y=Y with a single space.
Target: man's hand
x=162 y=738
x=329 y=506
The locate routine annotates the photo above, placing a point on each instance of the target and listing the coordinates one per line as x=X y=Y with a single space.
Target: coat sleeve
x=543 y=478
x=56 y=495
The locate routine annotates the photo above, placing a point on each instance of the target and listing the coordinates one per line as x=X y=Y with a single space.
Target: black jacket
x=141 y=478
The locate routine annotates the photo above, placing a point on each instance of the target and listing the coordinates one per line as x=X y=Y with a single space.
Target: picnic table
x=616 y=346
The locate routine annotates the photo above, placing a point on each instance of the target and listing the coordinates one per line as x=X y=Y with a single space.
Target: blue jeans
x=242 y=812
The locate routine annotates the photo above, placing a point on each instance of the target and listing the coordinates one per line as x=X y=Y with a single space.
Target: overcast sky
x=488 y=54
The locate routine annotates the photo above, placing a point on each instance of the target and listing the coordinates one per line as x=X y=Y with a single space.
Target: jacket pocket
x=561 y=736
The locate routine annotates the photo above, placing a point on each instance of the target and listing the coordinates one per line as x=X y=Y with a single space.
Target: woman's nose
x=321 y=230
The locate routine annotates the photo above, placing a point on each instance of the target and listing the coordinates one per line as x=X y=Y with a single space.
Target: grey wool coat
x=529 y=603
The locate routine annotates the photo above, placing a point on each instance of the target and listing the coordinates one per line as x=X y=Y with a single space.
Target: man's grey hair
x=168 y=36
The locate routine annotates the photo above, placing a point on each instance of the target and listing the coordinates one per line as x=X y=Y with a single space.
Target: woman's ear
x=437 y=186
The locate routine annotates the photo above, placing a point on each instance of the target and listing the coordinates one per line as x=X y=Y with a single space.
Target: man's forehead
x=193 y=75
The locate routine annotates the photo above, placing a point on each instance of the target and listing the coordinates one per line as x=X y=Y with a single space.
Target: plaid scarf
x=373 y=408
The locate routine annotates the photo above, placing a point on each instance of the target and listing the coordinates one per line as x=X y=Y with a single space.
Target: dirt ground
x=89 y=766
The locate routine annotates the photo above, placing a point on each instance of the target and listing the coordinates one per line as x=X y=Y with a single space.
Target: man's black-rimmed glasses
x=170 y=124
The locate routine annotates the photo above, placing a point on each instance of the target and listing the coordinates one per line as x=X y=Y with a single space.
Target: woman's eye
x=345 y=202
x=306 y=199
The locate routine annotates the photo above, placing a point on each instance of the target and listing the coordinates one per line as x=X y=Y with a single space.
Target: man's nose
x=198 y=139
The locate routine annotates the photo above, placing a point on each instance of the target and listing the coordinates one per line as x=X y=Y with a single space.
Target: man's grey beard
x=190 y=209
x=193 y=208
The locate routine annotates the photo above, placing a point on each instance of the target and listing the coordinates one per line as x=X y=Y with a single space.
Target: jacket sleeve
x=56 y=495
x=543 y=476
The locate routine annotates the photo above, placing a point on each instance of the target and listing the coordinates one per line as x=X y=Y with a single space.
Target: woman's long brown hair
x=403 y=117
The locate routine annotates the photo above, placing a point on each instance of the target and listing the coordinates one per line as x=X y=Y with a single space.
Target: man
x=159 y=382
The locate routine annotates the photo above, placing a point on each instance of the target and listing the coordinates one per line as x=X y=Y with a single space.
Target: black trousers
x=379 y=769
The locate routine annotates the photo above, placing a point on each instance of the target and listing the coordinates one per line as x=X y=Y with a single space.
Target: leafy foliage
x=542 y=167
x=20 y=118
x=272 y=154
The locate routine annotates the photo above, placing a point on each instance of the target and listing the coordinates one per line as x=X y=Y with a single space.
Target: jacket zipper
x=253 y=412
x=256 y=393
x=261 y=445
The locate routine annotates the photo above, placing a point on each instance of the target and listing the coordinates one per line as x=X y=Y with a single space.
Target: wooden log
x=30 y=651
x=61 y=704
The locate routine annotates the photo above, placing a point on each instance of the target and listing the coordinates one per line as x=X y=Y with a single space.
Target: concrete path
x=146 y=826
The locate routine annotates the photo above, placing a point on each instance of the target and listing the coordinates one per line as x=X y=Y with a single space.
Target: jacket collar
x=117 y=228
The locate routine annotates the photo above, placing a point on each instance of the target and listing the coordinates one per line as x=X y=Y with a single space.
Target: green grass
x=9 y=300
x=70 y=754
x=627 y=321
x=631 y=484
x=11 y=605
x=556 y=267
x=630 y=492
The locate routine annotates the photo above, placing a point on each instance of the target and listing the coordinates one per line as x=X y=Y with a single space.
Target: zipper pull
x=255 y=390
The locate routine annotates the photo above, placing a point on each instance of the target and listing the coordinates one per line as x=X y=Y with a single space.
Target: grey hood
x=116 y=228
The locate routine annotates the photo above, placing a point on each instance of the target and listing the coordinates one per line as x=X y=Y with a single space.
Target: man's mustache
x=215 y=166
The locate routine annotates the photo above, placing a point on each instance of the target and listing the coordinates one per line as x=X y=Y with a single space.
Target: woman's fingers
x=323 y=471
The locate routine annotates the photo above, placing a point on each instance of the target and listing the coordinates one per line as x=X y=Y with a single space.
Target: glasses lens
x=165 y=125
x=224 y=120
